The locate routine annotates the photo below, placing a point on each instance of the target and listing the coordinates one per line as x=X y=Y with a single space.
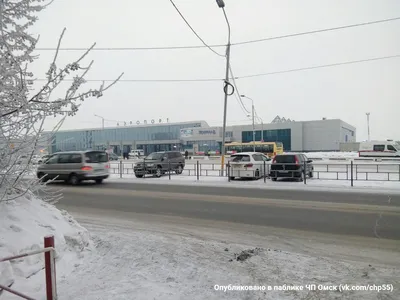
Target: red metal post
x=49 y=267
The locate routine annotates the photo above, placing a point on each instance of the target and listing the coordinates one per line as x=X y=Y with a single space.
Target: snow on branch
x=24 y=109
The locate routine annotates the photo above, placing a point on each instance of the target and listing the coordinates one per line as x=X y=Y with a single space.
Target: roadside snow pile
x=245 y=254
x=24 y=222
x=326 y=155
x=159 y=263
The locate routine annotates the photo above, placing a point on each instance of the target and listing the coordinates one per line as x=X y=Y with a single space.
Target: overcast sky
x=345 y=92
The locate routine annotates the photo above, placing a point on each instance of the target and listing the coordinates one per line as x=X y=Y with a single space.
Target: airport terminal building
x=198 y=136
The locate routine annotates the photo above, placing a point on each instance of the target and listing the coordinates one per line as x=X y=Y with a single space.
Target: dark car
x=294 y=165
x=158 y=163
x=113 y=156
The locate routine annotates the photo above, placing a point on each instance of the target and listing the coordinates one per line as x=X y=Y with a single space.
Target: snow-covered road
x=174 y=258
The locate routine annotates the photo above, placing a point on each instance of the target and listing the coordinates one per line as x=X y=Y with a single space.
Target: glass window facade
x=277 y=135
x=98 y=138
x=203 y=145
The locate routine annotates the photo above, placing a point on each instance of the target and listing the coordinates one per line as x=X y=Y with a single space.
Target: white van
x=136 y=153
x=379 y=149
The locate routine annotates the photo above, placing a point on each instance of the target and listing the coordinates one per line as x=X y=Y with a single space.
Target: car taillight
x=249 y=165
x=274 y=160
x=87 y=168
x=107 y=166
x=297 y=160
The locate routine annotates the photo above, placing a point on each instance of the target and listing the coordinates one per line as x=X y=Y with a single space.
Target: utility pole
x=102 y=129
x=252 y=117
x=369 y=136
x=254 y=132
x=221 y=4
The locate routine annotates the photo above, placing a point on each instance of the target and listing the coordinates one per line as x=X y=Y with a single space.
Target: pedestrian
x=186 y=154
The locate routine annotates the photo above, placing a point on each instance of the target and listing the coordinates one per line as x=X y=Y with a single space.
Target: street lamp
x=369 y=137
x=102 y=128
x=252 y=116
x=221 y=4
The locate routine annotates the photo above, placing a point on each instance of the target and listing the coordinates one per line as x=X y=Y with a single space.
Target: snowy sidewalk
x=311 y=184
x=131 y=263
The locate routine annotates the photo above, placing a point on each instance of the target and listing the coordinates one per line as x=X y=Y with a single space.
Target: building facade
x=198 y=136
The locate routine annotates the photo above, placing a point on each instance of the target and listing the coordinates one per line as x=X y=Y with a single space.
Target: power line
x=237 y=93
x=317 y=31
x=245 y=76
x=195 y=33
x=147 y=80
x=220 y=45
x=320 y=66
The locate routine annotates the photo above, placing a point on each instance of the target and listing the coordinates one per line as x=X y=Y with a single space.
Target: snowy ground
x=149 y=257
x=23 y=225
x=311 y=184
x=146 y=260
x=331 y=154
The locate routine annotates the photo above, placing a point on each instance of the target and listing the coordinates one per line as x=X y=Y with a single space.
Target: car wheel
x=159 y=172
x=301 y=178
x=274 y=179
x=73 y=179
x=99 y=181
x=139 y=175
x=257 y=174
x=311 y=175
x=179 y=170
x=42 y=178
x=231 y=178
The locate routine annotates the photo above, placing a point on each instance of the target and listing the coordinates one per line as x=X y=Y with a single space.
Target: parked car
x=158 y=163
x=294 y=165
x=387 y=148
x=113 y=156
x=75 y=166
x=248 y=165
x=23 y=159
x=43 y=158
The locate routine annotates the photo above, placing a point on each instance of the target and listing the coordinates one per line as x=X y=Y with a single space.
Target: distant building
x=320 y=135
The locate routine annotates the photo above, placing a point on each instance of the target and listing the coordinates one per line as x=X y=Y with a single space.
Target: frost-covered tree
x=24 y=108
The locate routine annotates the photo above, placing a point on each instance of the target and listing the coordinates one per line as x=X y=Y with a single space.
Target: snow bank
x=153 y=263
x=24 y=222
x=314 y=184
x=326 y=155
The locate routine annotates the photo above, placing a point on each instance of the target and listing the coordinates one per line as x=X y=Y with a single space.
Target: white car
x=248 y=165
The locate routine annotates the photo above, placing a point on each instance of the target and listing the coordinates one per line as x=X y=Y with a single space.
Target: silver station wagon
x=75 y=166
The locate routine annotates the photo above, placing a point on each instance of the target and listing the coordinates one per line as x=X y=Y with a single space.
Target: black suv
x=158 y=163
x=292 y=165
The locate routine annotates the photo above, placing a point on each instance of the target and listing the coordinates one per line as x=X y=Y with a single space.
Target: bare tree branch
x=23 y=111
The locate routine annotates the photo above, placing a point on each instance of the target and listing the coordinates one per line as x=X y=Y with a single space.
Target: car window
x=52 y=160
x=64 y=158
x=96 y=157
x=379 y=147
x=391 y=148
x=155 y=156
x=241 y=158
x=75 y=158
x=289 y=159
x=257 y=157
x=171 y=155
x=266 y=158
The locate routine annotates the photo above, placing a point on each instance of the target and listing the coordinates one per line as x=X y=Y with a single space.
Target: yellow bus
x=268 y=148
